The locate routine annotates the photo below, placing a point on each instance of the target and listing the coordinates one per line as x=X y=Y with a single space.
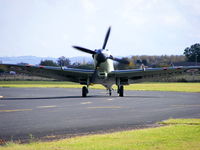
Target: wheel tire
x=121 y=91
x=84 y=91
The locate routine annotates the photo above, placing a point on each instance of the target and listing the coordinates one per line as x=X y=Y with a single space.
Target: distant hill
x=36 y=60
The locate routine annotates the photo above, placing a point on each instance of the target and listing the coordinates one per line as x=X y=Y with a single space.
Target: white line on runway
x=51 y=106
x=105 y=107
x=103 y=92
x=186 y=105
x=110 y=99
x=15 y=110
x=84 y=103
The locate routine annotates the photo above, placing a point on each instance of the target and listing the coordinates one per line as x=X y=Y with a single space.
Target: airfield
x=48 y=113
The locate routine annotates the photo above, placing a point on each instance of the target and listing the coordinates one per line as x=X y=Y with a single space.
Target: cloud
x=176 y=20
x=152 y=12
x=191 y=6
x=88 y=6
x=54 y=25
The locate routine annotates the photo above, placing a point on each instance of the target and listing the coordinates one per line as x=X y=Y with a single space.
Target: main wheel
x=121 y=91
x=84 y=91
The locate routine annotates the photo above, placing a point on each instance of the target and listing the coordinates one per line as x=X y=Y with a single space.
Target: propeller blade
x=123 y=61
x=106 y=38
x=95 y=74
x=84 y=50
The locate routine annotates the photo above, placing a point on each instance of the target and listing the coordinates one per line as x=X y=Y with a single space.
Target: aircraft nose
x=101 y=57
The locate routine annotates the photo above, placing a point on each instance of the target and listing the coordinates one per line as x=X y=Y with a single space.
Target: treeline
x=136 y=62
x=152 y=61
x=191 y=54
x=65 y=62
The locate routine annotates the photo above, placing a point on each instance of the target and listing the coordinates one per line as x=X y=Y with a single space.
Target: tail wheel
x=121 y=91
x=84 y=91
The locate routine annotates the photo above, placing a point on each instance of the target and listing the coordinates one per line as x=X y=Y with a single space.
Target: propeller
x=95 y=74
x=84 y=50
x=100 y=57
x=106 y=38
x=123 y=61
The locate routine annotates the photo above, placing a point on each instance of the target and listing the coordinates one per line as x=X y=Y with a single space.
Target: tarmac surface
x=48 y=113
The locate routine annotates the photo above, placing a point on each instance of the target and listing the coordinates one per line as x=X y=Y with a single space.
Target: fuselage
x=106 y=66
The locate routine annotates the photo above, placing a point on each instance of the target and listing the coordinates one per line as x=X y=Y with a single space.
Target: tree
x=192 y=53
x=62 y=61
x=48 y=63
x=1 y=71
x=85 y=66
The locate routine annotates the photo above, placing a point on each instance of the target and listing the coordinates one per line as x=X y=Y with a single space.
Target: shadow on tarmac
x=72 y=97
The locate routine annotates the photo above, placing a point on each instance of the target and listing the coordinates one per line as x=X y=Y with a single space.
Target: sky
x=49 y=28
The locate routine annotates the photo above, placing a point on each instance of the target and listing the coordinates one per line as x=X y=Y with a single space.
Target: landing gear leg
x=110 y=91
x=121 y=90
x=84 y=91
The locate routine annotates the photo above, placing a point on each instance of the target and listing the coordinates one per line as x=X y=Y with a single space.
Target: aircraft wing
x=149 y=74
x=60 y=73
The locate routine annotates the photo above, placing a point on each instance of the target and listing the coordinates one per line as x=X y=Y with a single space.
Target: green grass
x=37 y=82
x=176 y=136
x=41 y=84
x=177 y=87
x=181 y=121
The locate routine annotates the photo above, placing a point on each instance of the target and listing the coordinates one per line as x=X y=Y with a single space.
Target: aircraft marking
x=16 y=110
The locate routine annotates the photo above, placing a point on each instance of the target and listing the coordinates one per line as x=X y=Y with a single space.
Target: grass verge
x=175 y=136
x=176 y=87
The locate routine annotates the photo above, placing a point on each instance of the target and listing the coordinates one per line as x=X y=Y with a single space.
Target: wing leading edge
x=82 y=76
x=147 y=74
x=67 y=74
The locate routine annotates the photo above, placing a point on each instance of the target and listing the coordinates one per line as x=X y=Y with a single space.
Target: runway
x=53 y=112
